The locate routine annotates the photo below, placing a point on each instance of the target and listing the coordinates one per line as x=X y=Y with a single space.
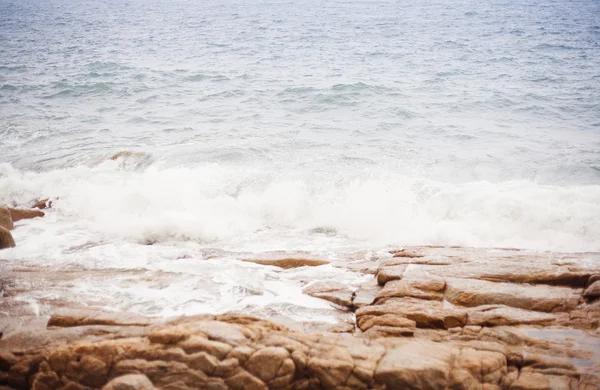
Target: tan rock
x=416 y=366
x=365 y=294
x=412 y=288
x=471 y=292
x=5 y=218
x=82 y=317
x=495 y=315
x=19 y=214
x=6 y=239
x=393 y=272
x=593 y=291
x=531 y=381
x=288 y=262
x=338 y=293
x=265 y=363
x=41 y=204
x=129 y=382
x=426 y=314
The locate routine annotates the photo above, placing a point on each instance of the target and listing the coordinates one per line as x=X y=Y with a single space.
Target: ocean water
x=328 y=127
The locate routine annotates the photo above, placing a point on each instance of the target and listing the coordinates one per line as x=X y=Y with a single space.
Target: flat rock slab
x=288 y=263
x=472 y=292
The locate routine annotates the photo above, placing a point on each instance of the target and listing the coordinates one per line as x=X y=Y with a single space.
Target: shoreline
x=467 y=316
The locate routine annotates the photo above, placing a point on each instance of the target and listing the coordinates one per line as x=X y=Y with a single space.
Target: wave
x=225 y=205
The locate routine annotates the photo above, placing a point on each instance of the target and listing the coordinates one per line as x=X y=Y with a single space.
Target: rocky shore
x=425 y=318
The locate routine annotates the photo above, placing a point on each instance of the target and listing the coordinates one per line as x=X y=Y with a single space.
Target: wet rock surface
x=8 y=216
x=440 y=318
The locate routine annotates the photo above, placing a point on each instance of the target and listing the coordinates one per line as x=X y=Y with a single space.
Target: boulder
x=42 y=204
x=593 y=291
x=5 y=218
x=18 y=214
x=130 y=382
x=6 y=239
x=338 y=293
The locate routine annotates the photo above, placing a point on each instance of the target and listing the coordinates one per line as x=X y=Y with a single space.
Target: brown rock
x=130 y=382
x=416 y=366
x=430 y=290
x=6 y=239
x=19 y=214
x=593 y=291
x=338 y=293
x=42 y=204
x=426 y=314
x=289 y=262
x=495 y=315
x=365 y=294
x=393 y=272
x=82 y=317
x=5 y=218
x=531 y=381
x=470 y=292
x=266 y=363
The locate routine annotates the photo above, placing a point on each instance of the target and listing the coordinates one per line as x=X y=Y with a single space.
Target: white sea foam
x=215 y=206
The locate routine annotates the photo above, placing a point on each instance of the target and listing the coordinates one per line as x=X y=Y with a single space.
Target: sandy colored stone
x=5 y=218
x=203 y=352
x=288 y=262
x=129 y=382
x=531 y=381
x=365 y=294
x=471 y=292
x=267 y=362
x=6 y=239
x=42 y=204
x=593 y=291
x=425 y=313
x=416 y=366
x=392 y=272
x=495 y=315
x=19 y=214
x=81 y=317
x=412 y=288
x=338 y=293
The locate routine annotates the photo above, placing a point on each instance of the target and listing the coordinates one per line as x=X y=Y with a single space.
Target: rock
x=531 y=381
x=89 y=316
x=19 y=214
x=416 y=366
x=5 y=218
x=6 y=239
x=365 y=294
x=394 y=272
x=228 y=351
x=471 y=292
x=127 y=154
x=406 y=253
x=130 y=382
x=593 y=291
x=429 y=289
x=338 y=293
x=42 y=204
x=289 y=262
x=426 y=314
x=496 y=315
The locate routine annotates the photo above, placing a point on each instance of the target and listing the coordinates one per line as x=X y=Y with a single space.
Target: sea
x=181 y=136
